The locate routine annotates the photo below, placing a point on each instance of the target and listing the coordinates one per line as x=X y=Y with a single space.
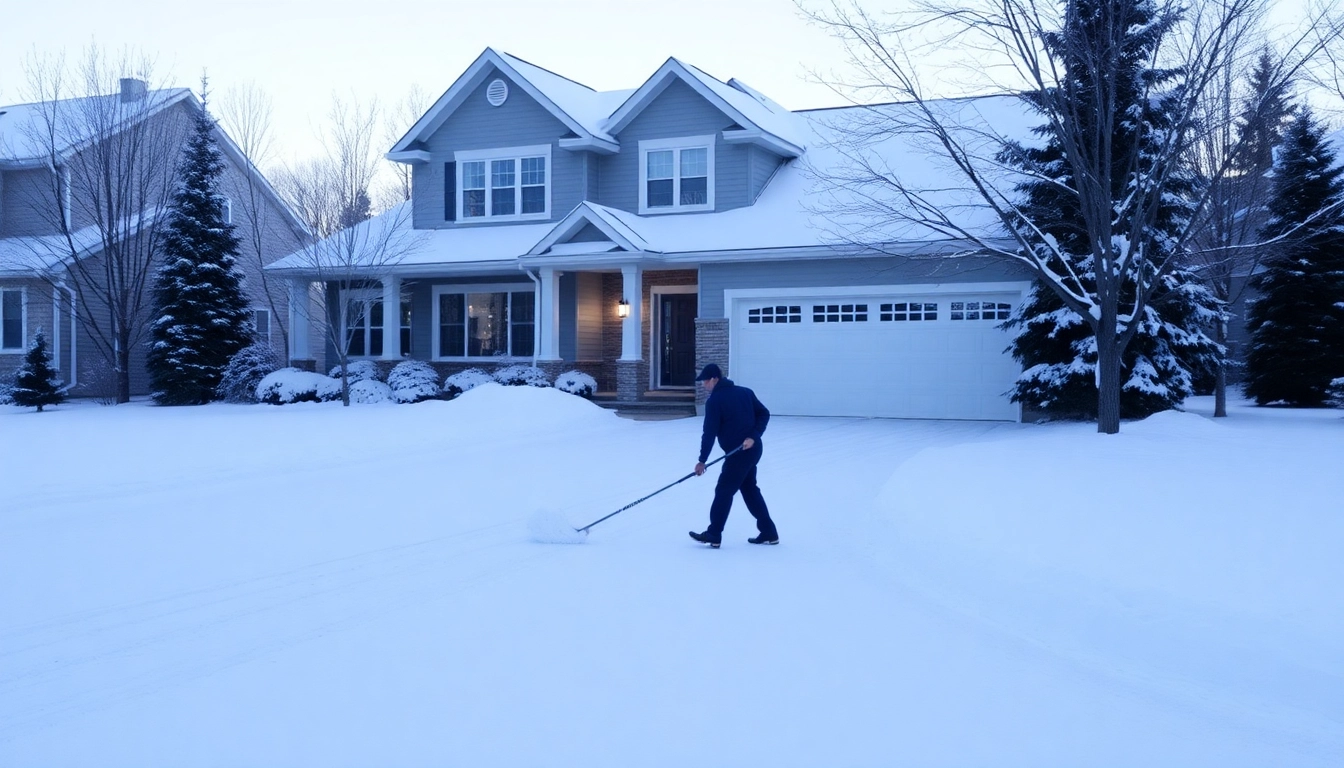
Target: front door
x=677 y=328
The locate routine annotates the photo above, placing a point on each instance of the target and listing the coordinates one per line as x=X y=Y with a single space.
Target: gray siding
x=761 y=165
x=24 y=206
x=716 y=278
x=589 y=234
x=677 y=111
x=520 y=121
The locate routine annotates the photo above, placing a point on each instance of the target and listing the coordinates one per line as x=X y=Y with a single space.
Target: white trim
x=584 y=214
x=23 y=321
x=656 y=294
x=676 y=144
x=410 y=156
x=517 y=154
x=465 y=288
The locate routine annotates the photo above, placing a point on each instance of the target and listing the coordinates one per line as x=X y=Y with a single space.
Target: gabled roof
x=608 y=221
x=761 y=119
x=23 y=125
x=579 y=107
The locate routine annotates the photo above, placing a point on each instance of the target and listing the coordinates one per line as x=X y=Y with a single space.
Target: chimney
x=133 y=89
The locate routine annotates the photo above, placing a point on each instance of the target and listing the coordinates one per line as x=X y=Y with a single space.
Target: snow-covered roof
x=802 y=209
x=599 y=115
x=23 y=125
x=40 y=254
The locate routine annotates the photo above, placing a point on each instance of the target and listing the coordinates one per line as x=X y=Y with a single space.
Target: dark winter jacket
x=732 y=414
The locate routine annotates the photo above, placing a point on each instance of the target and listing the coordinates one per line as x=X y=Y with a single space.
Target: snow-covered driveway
x=313 y=585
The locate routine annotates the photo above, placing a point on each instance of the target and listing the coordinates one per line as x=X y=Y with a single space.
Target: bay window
x=483 y=321
x=504 y=184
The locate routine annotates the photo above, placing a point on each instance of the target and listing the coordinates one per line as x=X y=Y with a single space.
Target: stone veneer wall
x=711 y=346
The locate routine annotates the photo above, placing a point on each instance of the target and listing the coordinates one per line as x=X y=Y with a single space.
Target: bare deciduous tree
x=109 y=145
x=1071 y=66
x=246 y=111
x=348 y=249
x=398 y=121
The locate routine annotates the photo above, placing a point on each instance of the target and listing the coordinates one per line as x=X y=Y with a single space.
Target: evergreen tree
x=1297 y=323
x=1261 y=122
x=36 y=383
x=1056 y=347
x=203 y=319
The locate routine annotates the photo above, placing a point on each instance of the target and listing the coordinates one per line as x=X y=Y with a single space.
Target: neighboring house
x=37 y=288
x=640 y=234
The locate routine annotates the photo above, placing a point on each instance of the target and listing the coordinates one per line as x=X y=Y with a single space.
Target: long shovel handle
x=585 y=528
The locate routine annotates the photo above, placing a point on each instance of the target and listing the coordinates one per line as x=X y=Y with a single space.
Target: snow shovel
x=584 y=529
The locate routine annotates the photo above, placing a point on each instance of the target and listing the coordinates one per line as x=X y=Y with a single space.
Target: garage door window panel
x=979 y=310
x=775 y=314
x=839 y=313
x=907 y=311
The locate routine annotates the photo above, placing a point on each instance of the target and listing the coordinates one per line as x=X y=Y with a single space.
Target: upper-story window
x=676 y=175
x=504 y=184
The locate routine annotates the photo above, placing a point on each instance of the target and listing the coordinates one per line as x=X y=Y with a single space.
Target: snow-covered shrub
x=412 y=381
x=522 y=376
x=576 y=383
x=358 y=370
x=6 y=390
x=1334 y=395
x=291 y=385
x=368 y=391
x=245 y=371
x=466 y=380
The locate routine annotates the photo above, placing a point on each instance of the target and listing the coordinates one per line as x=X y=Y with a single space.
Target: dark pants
x=739 y=475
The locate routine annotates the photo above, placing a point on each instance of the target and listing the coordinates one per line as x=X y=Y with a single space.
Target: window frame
x=489 y=157
x=22 y=348
x=370 y=295
x=706 y=143
x=255 y=311
x=508 y=289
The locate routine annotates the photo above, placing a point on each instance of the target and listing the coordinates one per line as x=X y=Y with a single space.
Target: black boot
x=763 y=539
x=706 y=538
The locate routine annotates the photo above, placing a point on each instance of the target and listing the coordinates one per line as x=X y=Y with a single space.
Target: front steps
x=654 y=405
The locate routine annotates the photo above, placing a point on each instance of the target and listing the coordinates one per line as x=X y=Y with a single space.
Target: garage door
x=901 y=356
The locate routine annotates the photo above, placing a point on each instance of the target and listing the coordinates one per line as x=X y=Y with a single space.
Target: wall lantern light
x=622 y=308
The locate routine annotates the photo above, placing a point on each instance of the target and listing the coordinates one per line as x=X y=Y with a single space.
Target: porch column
x=548 y=323
x=391 y=317
x=632 y=327
x=300 y=314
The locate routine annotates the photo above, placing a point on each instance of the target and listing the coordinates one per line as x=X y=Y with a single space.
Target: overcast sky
x=301 y=52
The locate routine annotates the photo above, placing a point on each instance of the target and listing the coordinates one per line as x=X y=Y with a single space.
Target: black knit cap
x=710 y=371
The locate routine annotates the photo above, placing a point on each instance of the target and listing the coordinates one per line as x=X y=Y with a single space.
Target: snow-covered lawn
x=313 y=585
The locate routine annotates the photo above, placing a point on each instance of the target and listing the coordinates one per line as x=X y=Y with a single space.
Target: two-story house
x=55 y=231
x=640 y=234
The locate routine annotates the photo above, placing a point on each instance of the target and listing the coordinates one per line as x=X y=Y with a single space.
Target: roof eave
x=763 y=138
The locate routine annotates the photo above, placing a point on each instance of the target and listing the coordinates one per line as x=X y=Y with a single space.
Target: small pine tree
x=1297 y=323
x=203 y=320
x=36 y=383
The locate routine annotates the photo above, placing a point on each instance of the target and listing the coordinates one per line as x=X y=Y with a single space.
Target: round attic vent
x=497 y=92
